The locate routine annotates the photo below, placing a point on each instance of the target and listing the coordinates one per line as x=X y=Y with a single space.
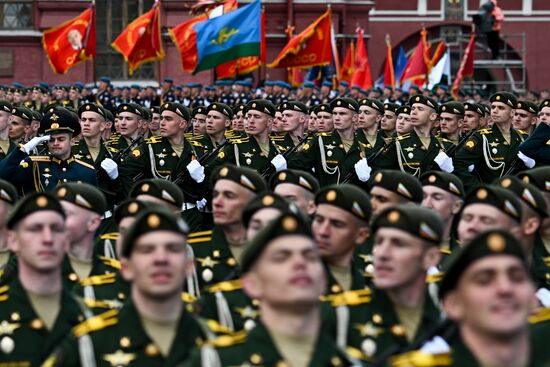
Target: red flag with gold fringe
x=72 y=42
x=141 y=42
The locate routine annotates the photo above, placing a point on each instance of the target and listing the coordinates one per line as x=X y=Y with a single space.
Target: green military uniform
x=400 y=183
x=487 y=155
x=7 y=146
x=491 y=243
x=43 y=173
x=326 y=155
x=372 y=146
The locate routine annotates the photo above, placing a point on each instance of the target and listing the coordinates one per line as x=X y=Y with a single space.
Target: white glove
x=471 y=168
x=444 y=162
x=196 y=170
x=362 y=170
x=110 y=167
x=34 y=142
x=201 y=203
x=279 y=162
x=529 y=162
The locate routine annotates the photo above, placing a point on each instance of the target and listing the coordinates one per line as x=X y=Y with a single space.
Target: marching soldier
x=398 y=311
x=218 y=120
x=371 y=112
x=154 y=126
x=20 y=123
x=444 y=193
x=217 y=250
x=332 y=156
x=489 y=332
x=6 y=145
x=298 y=187
x=37 y=310
x=389 y=119
x=451 y=119
x=242 y=89
x=403 y=123
x=283 y=271
x=340 y=224
x=167 y=94
x=325 y=123
x=237 y=124
x=43 y=173
x=8 y=198
x=153 y=328
x=294 y=122
x=535 y=147
x=490 y=152
x=473 y=114
x=198 y=119
x=525 y=117
x=103 y=97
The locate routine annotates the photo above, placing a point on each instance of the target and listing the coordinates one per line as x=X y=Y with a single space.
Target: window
x=112 y=18
x=16 y=15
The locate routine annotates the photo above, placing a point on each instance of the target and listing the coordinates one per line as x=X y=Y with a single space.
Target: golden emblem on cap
x=393 y=216
x=153 y=221
x=166 y=105
x=62 y=192
x=54 y=117
x=125 y=108
x=151 y=350
x=290 y=224
x=133 y=208
x=282 y=176
x=417 y=99
x=482 y=194
x=496 y=242
x=55 y=125
x=506 y=183
x=331 y=195
x=124 y=342
x=378 y=177
x=253 y=105
x=88 y=107
x=444 y=108
x=214 y=106
x=255 y=358
x=41 y=201
x=497 y=98
x=432 y=179
x=268 y=200
x=323 y=108
x=145 y=187
x=224 y=171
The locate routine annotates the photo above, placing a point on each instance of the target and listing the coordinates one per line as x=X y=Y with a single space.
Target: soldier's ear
x=251 y=285
x=11 y=240
x=453 y=307
x=126 y=270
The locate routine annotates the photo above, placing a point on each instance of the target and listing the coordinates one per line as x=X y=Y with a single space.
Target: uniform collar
x=59 y=161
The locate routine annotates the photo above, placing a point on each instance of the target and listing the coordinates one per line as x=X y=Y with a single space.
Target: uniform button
x=64 y=180
x=64 y=169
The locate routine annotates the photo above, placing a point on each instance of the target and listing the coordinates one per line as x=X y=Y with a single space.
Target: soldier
x=43 y=173
x=451 y=119
x=224 y=92
x=218 y=120
x=74 y=96
x=166 y=93
x=8 y=198
x=417 y=151
x=6 y=145
x=311 y=126
x=130 y=121
x=525 y=117
x=324 y=120
x=216 y=250
x=153 y=328
x=473 y=114
x=103 y=96
x=371 y=112
x=398 y=311
x=37 y=309
x=283 y=270
x=389 y=119
x=242 y=91
x=535 y=147
x=491 y=150
x=294 y=118
x=298 y=187
x=154 y=126
x=237 y=124
x=485 y=277
x=257 y=150
x=534 y=212
x=340 y=224
x=403 y=123
x=444 y=193
x=198 y=119
x=333 y=156
x=20 y=122
x=169 y=156
x=489 y=207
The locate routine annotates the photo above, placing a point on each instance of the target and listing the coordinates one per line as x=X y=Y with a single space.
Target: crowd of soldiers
x=231 y=226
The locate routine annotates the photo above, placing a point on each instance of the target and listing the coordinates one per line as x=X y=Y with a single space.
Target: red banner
x=349 y=64
x=466 y=66
x=141 y=42
x=311 y=47
x=418 y=65
x=389 y=74
x=72 y=42
x=362 y=75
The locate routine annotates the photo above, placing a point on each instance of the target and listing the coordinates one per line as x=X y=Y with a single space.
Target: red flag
x=362 y=75
x=417 y=66
x=71 y=42
x=389 y=74
x=140 y=42
x=311 y=47
x=348 y=66
x=466 y=66
x=243 y=65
